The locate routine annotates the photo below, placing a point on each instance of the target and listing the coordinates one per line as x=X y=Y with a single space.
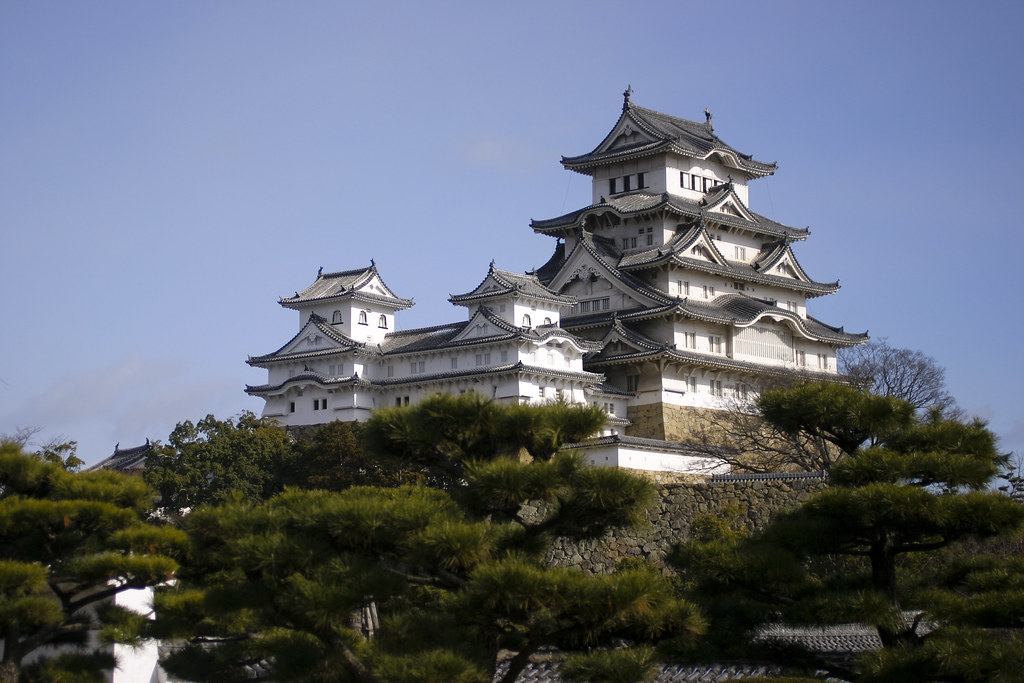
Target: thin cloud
x=494 y=151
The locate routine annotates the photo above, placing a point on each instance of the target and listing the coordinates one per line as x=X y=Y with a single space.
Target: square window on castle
x=641 y=181
x=291 y=407
x=613 y=185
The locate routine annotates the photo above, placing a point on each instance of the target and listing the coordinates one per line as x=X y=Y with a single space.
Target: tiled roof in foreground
x=840 y=640
x=547 y=672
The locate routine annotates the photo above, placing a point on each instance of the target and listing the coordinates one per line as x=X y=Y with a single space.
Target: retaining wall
x=759 y=496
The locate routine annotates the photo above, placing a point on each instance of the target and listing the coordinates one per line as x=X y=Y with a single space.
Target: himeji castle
x=667 y=296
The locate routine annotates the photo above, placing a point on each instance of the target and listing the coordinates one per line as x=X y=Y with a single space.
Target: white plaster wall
x=631 y=457
x=652 y=167
x=537 y=312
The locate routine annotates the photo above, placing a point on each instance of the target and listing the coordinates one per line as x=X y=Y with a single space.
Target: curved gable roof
x=590 y=254
x=346 y=284
x=503 y=283
x=663 y=133
x=341 y=343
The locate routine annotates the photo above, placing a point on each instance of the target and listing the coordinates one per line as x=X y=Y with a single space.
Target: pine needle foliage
x=69 y=542
x=878 y=548
x=444 y=576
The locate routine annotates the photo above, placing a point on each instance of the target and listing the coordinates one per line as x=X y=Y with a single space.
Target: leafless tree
x=21 y=436
x=739 y=436
x=910 y=375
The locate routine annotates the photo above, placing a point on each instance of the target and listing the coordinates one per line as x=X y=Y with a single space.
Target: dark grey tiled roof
x=839 y=638
x=549 y=270
x=344 y=284
x=547 y=672
x=126 y=459
x=633 y=203
x=518 y=368
x=769 y=476
x=671 y=134
x=632 y=336
x=606 y=389
x=601 y=253
x=307 y=376
x=523 y=284
x=442 y=336
x=727 y=309
x=716 y=362
x=345 y=343
x=421 y=339
x=677 y=249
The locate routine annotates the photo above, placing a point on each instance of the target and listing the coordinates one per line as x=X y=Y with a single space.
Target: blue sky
x=168 y=170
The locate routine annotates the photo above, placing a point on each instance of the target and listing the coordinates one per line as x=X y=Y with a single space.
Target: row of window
x=683 y=289
x=318 y=404
x=632 y=242
x=692 y=181
x=822 y=360
x=382 y=321
x=714 y=386
x=592 y=305
x=528 y=322
x=419 y=367
x=627 y=182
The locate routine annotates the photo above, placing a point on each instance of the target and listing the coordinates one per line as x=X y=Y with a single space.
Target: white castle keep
x=665 y=297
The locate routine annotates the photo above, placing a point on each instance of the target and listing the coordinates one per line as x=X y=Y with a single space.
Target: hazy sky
x=169 y=169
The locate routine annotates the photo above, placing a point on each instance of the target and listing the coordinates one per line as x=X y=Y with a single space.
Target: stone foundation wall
x=667 y=422
x=669 y=519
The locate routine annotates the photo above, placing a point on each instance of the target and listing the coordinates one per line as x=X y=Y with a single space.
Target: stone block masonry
x=759 y=496
x=669 y=422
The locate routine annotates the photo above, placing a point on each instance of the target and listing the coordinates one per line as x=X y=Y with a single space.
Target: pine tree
x=454 y=574
x=907 y=489
x=69 y=542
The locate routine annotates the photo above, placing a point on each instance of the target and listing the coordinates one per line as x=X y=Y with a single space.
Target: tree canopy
x=446 y=577
x=908 y=488
x=69 y=542
x=214 y=460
